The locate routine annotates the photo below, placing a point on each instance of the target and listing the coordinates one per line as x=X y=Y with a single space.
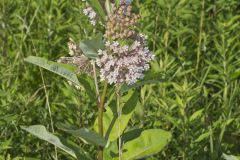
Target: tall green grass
x=197 y=47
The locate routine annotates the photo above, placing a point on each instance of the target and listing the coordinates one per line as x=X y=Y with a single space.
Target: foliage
x=195 y=93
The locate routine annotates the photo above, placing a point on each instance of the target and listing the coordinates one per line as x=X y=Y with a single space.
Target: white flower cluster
x=122 y=63
x=91 y=15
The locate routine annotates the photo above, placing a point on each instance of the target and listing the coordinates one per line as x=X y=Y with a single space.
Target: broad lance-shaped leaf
x=60 y=69
x=138 y=143
x=86 y=135
x=41 y=132
x=90 y=47
x=111 y=120
x=149 y=142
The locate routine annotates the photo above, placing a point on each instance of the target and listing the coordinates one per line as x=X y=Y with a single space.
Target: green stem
x=100 y=104
x=100 y=119
x=119 y=109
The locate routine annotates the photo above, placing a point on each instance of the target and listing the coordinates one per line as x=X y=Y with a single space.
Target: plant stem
x=100 y=119
x=119 y=109
x=100 y=104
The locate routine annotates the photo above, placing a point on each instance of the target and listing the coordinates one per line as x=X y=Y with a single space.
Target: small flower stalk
x=126 y=55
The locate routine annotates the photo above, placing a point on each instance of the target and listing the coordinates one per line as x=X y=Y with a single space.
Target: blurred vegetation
x=197 y=47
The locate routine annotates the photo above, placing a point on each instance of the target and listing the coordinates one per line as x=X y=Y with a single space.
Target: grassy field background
x=197 y=48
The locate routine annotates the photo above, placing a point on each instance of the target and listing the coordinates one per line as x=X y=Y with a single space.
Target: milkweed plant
x=116 y=61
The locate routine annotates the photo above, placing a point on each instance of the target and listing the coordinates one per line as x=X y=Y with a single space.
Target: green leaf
x=111 y=151
x=179 y=101
x=111 y=120
x=196 y=114
x=60 y=69
x=203 y=136
x=149 y=142
x=85 y=134
x=90 y=47
x=5 y=145
x=235 y=75
x=117 y=2
x=131 y=135
x=41 y=132
x=230 y=157
x=7 y=118
x=97 y=7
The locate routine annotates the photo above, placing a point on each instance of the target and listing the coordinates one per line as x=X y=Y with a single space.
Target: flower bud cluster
x=121 y=23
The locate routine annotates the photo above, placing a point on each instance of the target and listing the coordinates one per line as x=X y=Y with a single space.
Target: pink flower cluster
x=122 y=63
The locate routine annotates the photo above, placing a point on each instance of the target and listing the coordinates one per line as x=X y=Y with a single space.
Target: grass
x=197 y=47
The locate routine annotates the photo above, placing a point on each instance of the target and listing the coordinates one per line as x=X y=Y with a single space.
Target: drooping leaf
x=61 y=69
x=111 y=120
x=41 y=132
x=85 y=134
x=90 y=47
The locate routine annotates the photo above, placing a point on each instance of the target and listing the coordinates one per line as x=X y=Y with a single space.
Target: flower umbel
x=126 y=56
